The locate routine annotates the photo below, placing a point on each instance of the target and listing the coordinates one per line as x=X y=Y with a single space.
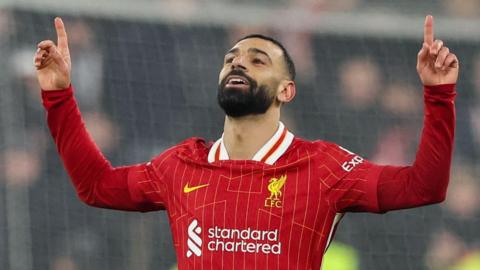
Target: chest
x=246 y=196
x=245 y=209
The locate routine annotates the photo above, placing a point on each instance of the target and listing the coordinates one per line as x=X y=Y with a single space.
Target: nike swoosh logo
x=187 y=189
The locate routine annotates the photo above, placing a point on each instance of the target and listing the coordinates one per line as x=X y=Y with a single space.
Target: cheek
x=264 y=78
x=272 y=83
x=275 y=88
x=222 y=75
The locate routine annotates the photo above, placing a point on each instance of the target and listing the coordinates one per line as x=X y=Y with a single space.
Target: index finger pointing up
x=428 y=30
x=62 y=40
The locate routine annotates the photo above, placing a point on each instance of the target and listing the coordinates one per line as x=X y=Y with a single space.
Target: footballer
x=259 y=197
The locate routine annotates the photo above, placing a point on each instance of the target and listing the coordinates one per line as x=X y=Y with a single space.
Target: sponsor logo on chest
x=232 y=240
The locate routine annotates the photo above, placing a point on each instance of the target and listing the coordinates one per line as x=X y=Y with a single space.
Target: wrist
x=49 y=94
x=57 y=90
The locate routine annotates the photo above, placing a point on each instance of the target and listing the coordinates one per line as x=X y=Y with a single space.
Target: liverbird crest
x=275 y=187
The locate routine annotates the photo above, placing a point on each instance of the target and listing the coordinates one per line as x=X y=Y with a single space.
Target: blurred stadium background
x=146 y=71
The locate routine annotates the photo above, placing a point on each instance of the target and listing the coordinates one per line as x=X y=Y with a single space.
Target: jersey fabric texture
x=276 y=211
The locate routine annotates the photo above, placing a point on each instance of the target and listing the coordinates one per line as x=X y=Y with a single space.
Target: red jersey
x=276 y=211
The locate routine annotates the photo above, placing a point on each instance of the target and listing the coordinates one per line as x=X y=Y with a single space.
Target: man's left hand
x=435 y=63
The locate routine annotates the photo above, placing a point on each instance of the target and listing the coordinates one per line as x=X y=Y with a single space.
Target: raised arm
x=426 y=181
x=96 y=181
x=376 y=188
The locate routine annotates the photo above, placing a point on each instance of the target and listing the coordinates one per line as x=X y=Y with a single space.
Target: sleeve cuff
x=440 y=93
x=440 y=89
x=52 y=98
x=57 y=93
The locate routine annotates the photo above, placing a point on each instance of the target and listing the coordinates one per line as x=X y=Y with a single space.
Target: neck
x=244 y=136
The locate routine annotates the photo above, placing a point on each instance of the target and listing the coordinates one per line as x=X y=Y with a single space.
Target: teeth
x=237 y=81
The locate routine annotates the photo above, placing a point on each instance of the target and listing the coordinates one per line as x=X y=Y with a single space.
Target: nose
x=238 y=63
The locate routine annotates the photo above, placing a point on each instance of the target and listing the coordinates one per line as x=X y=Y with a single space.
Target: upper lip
x=237 y=77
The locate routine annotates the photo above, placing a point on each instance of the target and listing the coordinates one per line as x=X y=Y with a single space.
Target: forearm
x=96 y=181
x=426 y=181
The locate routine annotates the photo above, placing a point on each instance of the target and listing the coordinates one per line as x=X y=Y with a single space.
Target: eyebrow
x=234 y=50
x=252 y=50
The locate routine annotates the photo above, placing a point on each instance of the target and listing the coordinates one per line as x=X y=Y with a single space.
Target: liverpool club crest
x=275 y=186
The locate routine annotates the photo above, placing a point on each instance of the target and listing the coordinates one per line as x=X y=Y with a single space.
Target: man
x=258 y=197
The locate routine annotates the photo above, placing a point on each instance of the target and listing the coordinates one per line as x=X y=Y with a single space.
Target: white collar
x=269 y=153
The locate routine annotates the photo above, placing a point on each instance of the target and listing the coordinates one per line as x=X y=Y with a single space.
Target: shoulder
x=320 y=147
x=327 y=152
x=194 y=148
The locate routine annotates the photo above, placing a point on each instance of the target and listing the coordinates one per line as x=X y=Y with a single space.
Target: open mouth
x=236 y=81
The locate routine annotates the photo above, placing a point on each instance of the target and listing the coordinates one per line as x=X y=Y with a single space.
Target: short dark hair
x=286 y=57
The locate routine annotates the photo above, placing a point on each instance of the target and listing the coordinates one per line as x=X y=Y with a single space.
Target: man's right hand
x=53 y=62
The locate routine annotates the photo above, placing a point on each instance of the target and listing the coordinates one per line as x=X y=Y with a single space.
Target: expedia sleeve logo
x=349 y=165
x=275 y=187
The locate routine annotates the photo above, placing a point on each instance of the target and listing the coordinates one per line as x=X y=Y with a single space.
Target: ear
x=286 y=91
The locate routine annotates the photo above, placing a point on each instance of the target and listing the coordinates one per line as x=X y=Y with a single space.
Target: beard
x=238 y=103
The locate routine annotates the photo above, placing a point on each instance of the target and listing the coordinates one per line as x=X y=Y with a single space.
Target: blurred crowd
x=450 y=8
x=144 y=86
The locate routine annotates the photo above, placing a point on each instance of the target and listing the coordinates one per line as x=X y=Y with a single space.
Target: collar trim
x=268 y=153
